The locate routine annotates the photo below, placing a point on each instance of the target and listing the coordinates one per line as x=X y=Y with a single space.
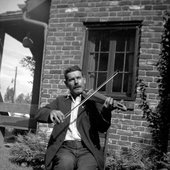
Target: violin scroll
x=119 y=106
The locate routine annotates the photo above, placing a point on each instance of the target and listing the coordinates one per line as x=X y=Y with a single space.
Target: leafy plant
x=153 y=117
x=29 y=63
x=134 y=158
x=5 y=164
x=164 y=90
x=165 y=161
x=159 y=119
x=29 y=149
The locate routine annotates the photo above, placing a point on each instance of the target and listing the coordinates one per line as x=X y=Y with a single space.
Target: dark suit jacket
x=92 y=118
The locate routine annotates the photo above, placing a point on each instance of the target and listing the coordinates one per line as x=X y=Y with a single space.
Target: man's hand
x=113 y=104
x=109 y=102
x=57 y=116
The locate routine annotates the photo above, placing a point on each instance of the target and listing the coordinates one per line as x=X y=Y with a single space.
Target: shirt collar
x=69 y=96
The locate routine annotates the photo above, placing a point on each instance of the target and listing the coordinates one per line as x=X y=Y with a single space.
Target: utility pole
x=15 y=80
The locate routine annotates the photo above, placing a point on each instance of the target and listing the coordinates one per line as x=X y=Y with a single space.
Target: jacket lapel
x=66 y=105
x=80 y=113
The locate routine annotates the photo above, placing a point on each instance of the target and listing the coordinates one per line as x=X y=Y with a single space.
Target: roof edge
x=12 y=15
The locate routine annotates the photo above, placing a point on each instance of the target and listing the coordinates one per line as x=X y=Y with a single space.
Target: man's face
x=75 y=82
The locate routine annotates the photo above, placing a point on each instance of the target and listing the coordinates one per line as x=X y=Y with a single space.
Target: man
x=74 y=142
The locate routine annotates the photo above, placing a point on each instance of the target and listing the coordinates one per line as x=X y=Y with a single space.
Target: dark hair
x=71 y=69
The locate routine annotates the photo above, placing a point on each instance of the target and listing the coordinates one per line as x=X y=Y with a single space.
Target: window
x=110 y=48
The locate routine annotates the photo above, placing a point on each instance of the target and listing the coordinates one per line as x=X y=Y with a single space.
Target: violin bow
x=90 y=95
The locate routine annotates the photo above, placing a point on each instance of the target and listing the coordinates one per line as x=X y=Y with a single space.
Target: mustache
x=77 y=87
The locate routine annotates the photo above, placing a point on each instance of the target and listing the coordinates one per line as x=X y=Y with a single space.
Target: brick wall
x=65 y=46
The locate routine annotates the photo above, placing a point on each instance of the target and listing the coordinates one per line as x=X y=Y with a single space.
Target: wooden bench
x=24 y=123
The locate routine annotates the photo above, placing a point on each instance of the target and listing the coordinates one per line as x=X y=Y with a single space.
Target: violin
x=98 y=97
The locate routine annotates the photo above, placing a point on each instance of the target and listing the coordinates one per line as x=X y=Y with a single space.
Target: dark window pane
x=103 y=63
x=101 y=78
x=129 y=62
x=119 y=61
x=117 y=83
x=105 y=46
x=105 y=40
x=120 y=46
x=130 y=40
x=125 y=84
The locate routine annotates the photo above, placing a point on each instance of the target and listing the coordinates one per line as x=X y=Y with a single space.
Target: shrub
x=5 y=164
x=134 y=158
x=29 y=149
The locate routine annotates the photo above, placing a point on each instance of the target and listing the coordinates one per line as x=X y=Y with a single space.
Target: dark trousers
x=73 y=155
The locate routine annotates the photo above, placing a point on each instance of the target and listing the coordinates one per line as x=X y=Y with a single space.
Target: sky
x=13 y=52
x=10 y=5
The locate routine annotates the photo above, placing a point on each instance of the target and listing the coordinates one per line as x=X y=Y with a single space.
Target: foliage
x=134 y=158
x=21 y=98
x=159 y=120
x=153 y=117
x=9 y=95
x=29 y=149
x=29 y=63
x=5 y=164
x=164 y=90
x=24 y=99
x=165 y=161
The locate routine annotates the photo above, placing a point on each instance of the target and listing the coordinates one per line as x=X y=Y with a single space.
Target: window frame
x=111 y=26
